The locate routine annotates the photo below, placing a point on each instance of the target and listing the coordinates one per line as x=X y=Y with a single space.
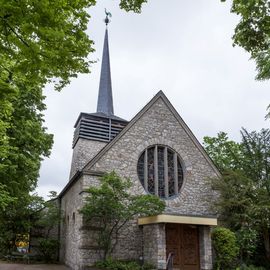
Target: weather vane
x=108 y=14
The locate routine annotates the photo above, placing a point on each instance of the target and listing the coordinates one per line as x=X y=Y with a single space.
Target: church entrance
x=183 y=241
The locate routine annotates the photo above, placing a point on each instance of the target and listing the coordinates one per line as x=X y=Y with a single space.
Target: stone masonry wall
x=129 y=244
x=154 y=245
x=71 y=238
x=83 y=152
x=156 y=126
x=205 y=247
x=159 y=126
x=79 y=248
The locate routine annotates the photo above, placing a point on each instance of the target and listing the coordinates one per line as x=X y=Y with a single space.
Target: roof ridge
x=160 y=94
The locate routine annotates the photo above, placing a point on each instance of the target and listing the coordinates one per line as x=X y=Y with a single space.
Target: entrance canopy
x=165 y=218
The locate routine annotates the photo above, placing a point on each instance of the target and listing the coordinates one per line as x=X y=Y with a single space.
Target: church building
x=161 y=156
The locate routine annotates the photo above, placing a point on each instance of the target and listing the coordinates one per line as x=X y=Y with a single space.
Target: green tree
x=111 y=206
x=244 y=201
x=235 y=207
x=49 y=216
x=132 y=5
x=252 y=33
x=5 y=198
x=225 y=153
x=41 y=42
x=39 y=215
x=47 y=219
x=17 y=219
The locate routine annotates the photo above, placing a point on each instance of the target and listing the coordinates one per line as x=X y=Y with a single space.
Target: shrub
x=49 y=249
x=250 y=267
x=122 y=265
x=225 y=247
x=148 y=266
x=110 y=207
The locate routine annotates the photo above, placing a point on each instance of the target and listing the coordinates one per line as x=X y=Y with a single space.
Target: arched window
x=160 y=171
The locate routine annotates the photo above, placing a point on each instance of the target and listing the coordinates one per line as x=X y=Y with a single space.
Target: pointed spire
x=105 y=99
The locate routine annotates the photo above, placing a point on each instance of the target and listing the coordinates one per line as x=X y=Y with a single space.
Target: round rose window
x=160 y=171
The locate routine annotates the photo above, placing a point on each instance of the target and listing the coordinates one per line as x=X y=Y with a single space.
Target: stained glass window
x=151 y=171
x=171 y=172
x=162 y=168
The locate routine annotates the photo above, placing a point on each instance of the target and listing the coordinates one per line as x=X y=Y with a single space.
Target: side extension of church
x=161 y=156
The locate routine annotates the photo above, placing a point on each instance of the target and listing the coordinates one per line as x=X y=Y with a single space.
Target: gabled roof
x=159 y=95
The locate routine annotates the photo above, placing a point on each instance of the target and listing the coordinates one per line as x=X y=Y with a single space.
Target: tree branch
x=17 y=35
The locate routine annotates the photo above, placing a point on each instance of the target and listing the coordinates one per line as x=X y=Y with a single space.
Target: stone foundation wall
x=154 y=245
x=205 y=248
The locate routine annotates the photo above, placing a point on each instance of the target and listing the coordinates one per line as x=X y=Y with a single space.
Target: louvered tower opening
x=96 y=127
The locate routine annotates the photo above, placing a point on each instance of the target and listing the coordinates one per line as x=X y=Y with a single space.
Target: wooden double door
x=183 y=241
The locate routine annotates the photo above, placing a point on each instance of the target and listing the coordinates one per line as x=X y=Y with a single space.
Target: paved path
x=13 y=266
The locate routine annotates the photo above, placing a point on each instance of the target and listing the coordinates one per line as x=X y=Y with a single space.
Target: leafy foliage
x=235 y=199
x=110 y=206
x=244 y=202
x=48 y=248
x=225 y=246
x=49 y=216
x=250 y=267
x=253 y=32
x=16 y=219
x=122 y=265
x=44 y=39
x=5 y=198
x=45 y=219
x=41 y=42
x=132 y=5
x=225 y=153
x=22 y=220
x=247 y=239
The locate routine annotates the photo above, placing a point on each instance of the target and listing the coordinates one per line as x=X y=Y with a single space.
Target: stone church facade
x=161 y=156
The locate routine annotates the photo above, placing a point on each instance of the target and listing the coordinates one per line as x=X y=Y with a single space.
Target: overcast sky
x=181 y=47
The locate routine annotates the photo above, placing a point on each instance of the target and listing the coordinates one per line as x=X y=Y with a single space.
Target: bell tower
x=94 y=130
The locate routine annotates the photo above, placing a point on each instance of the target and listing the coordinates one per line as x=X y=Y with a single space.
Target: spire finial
x=108 y=14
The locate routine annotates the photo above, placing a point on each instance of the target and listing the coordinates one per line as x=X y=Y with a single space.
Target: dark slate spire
x=103 y=125
x=105 y=99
